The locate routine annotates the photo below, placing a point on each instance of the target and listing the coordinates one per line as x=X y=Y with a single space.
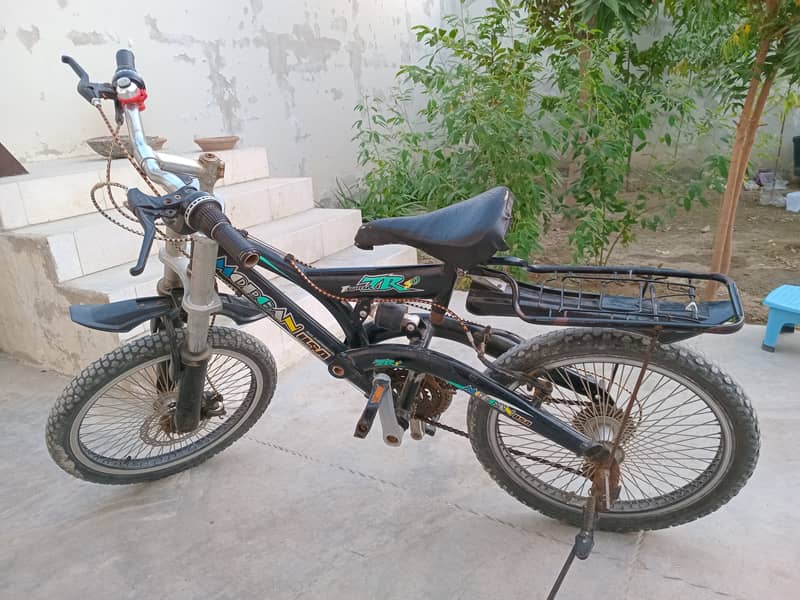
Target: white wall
x=280 y=73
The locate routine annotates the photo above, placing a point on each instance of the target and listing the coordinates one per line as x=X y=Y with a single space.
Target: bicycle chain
x=520 y=453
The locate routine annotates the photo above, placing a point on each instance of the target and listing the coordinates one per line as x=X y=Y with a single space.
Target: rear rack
x=619 y=297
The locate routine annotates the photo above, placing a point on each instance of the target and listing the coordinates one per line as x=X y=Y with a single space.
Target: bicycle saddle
x=463 y=235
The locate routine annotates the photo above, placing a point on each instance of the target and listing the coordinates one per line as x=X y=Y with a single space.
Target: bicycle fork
x=200 y=301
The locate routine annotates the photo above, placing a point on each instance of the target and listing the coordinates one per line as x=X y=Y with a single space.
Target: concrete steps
x=309 y=235
x=58 y=251
x=85 y=244
x=59 y=189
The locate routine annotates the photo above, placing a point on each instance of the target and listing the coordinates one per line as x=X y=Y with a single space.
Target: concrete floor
x=301 y=509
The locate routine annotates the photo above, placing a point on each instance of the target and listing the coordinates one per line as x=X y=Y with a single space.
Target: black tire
x=63 y=434
x=730 y=469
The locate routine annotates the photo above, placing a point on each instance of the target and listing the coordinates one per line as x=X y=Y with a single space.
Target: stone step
x=59 y=189
x=313 y=234
x=263 y=200
x=309 y=235
x=85 y=244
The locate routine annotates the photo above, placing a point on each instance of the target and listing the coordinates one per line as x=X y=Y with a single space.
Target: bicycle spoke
x=129 y=425
x=671 y=439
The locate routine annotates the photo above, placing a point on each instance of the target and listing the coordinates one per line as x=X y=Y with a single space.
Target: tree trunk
x=750 y=133
x=574 y=168
x=746 y=128
x=584 y=56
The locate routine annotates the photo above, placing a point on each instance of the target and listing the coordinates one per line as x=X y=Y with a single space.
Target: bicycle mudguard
x=122 y=316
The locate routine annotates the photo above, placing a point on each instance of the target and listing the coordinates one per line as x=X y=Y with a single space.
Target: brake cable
x=108 y=185
x=428 y=304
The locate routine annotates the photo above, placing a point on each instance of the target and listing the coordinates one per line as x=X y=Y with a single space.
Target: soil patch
x=766 y=248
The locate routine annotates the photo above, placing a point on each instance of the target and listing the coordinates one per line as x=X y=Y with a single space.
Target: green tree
x=515 y=91
x=763 y=45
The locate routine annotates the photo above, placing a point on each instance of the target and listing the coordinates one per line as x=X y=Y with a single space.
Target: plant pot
x=102 y=145
x=214 y=144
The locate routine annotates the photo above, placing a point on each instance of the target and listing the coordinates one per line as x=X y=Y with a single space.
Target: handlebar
x=127 y=90
x=184 y=209
x=210 y=220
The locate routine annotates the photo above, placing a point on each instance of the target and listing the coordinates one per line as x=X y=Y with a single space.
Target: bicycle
x=606 y=425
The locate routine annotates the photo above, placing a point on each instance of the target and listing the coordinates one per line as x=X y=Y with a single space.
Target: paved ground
x=301 y=509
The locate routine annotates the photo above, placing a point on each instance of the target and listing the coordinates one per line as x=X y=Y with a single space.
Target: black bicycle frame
x=358 y=356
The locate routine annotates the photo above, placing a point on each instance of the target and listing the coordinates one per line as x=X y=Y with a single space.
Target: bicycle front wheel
x=690 y=444
x=114 y=422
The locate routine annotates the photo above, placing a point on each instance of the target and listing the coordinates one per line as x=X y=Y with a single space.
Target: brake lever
x=91 y=91
x=83 y=76
x=147 y=217
x=150 y=208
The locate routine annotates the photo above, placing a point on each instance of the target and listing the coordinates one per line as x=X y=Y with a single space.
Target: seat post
x=443 y=297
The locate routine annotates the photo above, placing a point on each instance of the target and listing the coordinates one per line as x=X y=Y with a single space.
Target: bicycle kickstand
x=584 y=542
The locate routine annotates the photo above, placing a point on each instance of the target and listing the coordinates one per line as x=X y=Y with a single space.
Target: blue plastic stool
x=784 y=313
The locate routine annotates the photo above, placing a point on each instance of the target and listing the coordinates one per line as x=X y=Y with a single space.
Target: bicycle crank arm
x=381 y=402
x=381 y=384
x=353 y=364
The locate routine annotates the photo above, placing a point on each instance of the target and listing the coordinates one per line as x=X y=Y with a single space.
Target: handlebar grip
x=126 y=67
x=125 y=60
x=210 y=220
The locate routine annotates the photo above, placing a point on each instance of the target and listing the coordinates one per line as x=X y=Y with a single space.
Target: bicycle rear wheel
x=113 y=423
x=690 y=444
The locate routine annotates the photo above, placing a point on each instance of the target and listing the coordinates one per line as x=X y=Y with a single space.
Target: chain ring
x=434 y=395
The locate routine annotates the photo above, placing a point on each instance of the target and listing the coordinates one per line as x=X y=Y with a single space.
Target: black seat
x=462 y=235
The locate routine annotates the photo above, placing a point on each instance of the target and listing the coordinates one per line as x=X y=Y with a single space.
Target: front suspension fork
x=200 y=301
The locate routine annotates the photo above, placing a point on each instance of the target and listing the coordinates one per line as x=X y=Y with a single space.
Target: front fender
x=122 y=316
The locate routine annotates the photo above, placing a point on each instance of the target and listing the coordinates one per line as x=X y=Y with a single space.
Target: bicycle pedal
x=392 y=431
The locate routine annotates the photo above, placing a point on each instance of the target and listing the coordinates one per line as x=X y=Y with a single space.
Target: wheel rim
x=123 y=428
x=677 y=444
